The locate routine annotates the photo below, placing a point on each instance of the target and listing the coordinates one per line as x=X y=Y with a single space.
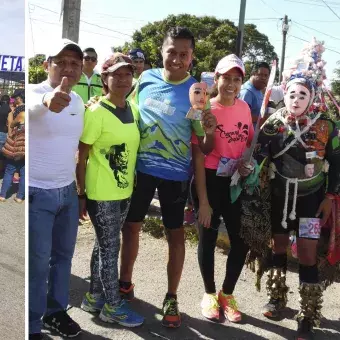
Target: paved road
x=12 y=270
x=150 y=280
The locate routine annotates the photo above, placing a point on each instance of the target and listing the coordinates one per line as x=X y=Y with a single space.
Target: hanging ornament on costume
x=308 y=71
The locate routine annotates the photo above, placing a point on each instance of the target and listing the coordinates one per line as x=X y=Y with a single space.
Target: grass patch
x=191 y=234
x=154 y=227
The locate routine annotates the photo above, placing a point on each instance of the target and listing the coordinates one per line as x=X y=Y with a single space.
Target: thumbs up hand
x=57 y=100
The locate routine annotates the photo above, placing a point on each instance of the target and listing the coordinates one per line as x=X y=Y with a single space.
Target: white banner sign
x=10 y=63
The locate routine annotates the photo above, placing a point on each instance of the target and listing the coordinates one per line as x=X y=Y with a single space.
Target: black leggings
x=218 y=189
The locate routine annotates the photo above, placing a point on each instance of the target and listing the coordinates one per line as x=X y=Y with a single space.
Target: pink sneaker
x=210 y=307
x=229 y=307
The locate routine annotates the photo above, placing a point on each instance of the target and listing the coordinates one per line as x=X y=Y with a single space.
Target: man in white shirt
x=276 y=100
x=55 y=125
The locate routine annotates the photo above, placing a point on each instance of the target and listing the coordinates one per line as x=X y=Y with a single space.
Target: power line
x=88 y=23
x=259 y=19
x=313 y=29
x=329 y=2
x=329 y=49
x=301 y=29
x=105 y=28
x=296 y=42
x=273 y=9
x=57 y=24
x=129 y=35
x=46 y=22
x=108 y=15
x=322 y=21
x=331 y=9
x=307 y=3
x=112 y=16
x=29 y=14
x=46 y=9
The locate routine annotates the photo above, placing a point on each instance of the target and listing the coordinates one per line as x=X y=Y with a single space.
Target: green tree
x=335 y=89
x=336 y=81
x=215 y=38
x=36 y=72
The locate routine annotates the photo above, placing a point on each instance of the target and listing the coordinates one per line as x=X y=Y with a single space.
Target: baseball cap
x=64 y=44
x=229 y=62
x=136 y=53
x=116 y=61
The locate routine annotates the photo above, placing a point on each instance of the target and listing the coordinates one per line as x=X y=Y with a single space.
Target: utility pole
x=240 y=33
x=71 y=19
x=285 y=29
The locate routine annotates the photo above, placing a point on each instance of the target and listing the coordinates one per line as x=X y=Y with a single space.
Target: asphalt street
x=12 y=269
x=151 y=282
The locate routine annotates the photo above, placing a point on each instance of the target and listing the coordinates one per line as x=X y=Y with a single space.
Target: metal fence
x=9 y=81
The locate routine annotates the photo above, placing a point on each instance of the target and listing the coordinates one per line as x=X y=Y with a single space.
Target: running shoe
x=229 y=307
x=210 y=306
x=35 y=336
x=171 y=315
x=121 y=314
x=91 y=304
x=62 y=323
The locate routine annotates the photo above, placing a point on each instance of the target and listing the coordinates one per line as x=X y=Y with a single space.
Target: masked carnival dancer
x=302 y=148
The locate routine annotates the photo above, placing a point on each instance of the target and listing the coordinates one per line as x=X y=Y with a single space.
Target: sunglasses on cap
x=87 y=58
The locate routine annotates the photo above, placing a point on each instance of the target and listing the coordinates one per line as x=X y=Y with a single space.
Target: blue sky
x=122 y=18
x=12 y=27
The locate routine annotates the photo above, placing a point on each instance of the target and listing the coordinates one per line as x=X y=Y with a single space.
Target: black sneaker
x=305 y=330
x=63 y=324
x=272 y=308
x=35 y=336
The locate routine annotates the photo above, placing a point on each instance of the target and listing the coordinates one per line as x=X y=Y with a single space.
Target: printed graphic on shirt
x=164 y=149
x=163 y=107
x=118 y=157
x=155 y=141
x=240 y=134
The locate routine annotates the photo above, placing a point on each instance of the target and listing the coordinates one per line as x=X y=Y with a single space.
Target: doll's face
x=198 y=95
x=309 y=170
x=297 y=99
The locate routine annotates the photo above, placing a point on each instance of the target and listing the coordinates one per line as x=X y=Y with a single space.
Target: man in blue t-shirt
x=163 y=160
x=252 y=90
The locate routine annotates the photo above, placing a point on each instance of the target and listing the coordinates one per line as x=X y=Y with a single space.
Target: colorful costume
x=301 y=151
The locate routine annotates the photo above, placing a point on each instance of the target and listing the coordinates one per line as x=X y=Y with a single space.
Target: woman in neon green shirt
x=107 y=158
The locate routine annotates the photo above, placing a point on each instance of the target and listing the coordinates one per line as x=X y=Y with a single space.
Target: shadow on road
x=83 y=336
x=331 y=324
x=192 y=328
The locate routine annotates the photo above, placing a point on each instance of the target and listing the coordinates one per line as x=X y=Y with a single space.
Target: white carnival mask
x=297 y=99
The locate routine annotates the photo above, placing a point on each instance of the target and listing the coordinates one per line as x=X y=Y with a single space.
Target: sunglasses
x=93 y=59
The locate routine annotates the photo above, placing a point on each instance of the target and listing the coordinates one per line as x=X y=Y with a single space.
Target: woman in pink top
x=211 y=191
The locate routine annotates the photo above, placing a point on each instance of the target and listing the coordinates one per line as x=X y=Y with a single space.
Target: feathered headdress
x=308 y=69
